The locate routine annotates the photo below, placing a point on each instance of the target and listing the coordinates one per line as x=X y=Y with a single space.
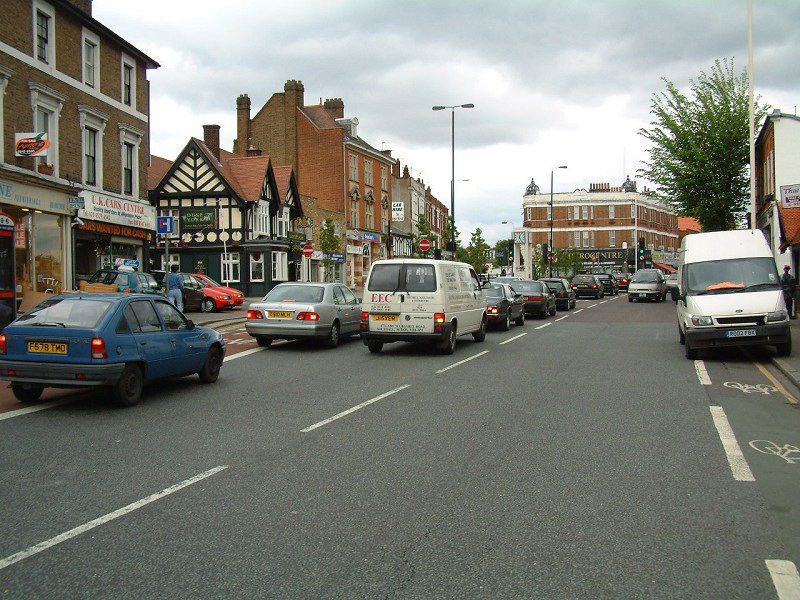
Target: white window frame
x=230 y=264
x=281 y=222
x=256 y=259
x=585 y=212
x=367 y=172
x=354 y=212
x=353 y=167
x=50 y=51
x=133 y=136
x=612 y=238
x=127 y=62
x=633 y=210
x=261 y=220
x=280 y=266
x=611 y=211
x=585 y=239
x=90 y=61
x=384 y=178
x=90 y=118
x=176 y=221
x=369 y=215
x=46 y=99
x=576 y=239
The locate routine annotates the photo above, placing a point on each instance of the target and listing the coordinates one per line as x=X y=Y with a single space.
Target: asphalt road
x=581 y=456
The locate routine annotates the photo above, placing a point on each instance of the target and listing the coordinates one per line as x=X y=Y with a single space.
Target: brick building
x=603 y=224
x=417 y=202
x=339 y=175
x=67 y=78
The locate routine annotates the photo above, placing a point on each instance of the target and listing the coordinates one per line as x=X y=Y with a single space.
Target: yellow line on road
x=775 y=382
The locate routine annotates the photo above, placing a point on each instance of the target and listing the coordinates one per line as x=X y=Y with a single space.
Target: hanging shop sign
x=118 y=210
x=198 y=218
x=31 y=144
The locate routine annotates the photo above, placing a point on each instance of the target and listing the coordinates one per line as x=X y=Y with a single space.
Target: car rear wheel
x=128 y=389
x=208 y=305
x=448 y=346
x=210 y=371
x=25 y=392
x=506 y=324
x=375 y=347
x=264 y=342
x=553 y=310
x=332 y=340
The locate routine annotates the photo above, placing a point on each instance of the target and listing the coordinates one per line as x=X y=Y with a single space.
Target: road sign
x=308 y=250
x=550 y=256
x=424 y=245
x=164 y=225
x=76 y=202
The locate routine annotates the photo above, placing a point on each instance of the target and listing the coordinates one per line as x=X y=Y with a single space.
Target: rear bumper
x=60 y=375
x=288 y=331
x=777 y=333
x=388 y=337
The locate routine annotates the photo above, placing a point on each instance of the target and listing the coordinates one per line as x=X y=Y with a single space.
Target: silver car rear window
x=295 y=293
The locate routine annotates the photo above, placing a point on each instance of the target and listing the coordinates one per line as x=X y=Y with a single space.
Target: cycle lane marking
x=785 y=578
x=354 y=409
x=68 y=535
x=736 y=460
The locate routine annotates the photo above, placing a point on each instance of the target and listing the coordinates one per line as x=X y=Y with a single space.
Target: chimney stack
x=211 y=138
x=242 y=141
x=335 y=107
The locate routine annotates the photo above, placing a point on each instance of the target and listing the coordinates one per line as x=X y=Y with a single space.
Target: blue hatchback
x=117 y=340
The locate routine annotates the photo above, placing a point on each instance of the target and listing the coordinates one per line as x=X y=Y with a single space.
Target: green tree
x=476 y=253
x=501 y=253
x=330 y=244
x=446 y=239
x=700 y=157
x=423 y=232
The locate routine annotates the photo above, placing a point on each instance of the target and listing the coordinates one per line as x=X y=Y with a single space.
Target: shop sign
x=364 y=236
x=118 y=210
x=20 y=236
x=352 y=249
x=603 y=256
x=790 y=196
x=398 y=211
x=118 y=230
x=31 y=144
x=339 y=258
x=198 y=218
x=28 y=196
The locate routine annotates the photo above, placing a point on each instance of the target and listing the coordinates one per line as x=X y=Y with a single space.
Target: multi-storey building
x=604 y=224
x=337 y=171
x=74 y=127
x=415 y=204
x=778 y=185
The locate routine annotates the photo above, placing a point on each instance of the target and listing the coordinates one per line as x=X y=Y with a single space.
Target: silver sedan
x=298 y=310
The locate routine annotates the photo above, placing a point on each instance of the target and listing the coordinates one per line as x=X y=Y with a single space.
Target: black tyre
x=264 y=342
x=128 y=389
x=521 y=319
x=210 y=371
x=681 y=336
x=208 y=305
x=630 y=299
x=26 y=392
x=448 y=346
x=784 y=349
x=375 y=347
x=691 y=353
x=506 y=324
x=332 y=339
x=479 y=335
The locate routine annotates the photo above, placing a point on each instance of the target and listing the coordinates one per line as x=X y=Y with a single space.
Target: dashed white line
x=785 y=578
x=31 y=409
x=739 y=467
x=461 y=362
x=543 y=326
x=516 y=337
x=702 y=373
x=354 y=409
x=67 y=535
x=562 y=318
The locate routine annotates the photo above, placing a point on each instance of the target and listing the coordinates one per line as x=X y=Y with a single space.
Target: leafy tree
x=446 y=240
x=476 y=253
x=569 y=262
x=423 y=231
x=329 y=243
x=700 y=156
x=501 y=246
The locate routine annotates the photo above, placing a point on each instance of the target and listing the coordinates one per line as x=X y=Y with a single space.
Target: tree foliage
x=700 y=155
x=330 y=244
x=477 y=251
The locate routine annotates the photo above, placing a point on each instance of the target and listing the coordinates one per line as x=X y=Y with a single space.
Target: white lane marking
x=461 y=362
x=739 y=467
x=67 y=535
x=593 y=305
x=516 y=337
x=702 y=373
x=354 y=409
x=785 y=578
x=562 y=318
x=31 y=409
x=577 y=311
x=243 y=353
x=543 y=326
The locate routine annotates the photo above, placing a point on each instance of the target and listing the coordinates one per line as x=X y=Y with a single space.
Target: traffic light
x=545 y=250
x=640 y=252
x=510 y=251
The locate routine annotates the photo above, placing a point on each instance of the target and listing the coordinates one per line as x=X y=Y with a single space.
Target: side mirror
x=190 y=324
x=675 y=293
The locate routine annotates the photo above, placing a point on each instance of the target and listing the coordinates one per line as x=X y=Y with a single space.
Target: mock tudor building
x=74 y=132
x=604 y=224
x=234 y=218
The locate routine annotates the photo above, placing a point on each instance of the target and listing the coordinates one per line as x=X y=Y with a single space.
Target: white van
x=729 y=293
x=422 y=300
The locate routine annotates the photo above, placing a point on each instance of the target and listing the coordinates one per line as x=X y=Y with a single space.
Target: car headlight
x=702 y=321
x=778 y=315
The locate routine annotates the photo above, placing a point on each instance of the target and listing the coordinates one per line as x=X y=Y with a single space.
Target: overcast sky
x=555 y=82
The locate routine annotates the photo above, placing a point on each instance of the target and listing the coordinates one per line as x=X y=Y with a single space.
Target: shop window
x=48 y=251
x=257 y=267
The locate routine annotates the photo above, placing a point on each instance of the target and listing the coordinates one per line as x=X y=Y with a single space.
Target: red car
x=623 y=279
x=236 y=295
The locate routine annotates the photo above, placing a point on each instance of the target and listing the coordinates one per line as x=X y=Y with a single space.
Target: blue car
x=121 y=341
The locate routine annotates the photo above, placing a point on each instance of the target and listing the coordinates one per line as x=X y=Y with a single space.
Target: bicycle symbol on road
x=787 y=452
x=761 y=388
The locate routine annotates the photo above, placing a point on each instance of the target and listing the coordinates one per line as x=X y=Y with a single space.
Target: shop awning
x=665 y=267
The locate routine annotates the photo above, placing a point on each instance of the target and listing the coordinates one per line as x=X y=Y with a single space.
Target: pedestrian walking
x=175 y=287
x=789 y=285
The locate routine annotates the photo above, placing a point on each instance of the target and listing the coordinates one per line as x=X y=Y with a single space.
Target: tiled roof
x=320 y=117
x=790 y=218
x=245 y=174
x=283 y=177
x=156 y=171
x=688 y=224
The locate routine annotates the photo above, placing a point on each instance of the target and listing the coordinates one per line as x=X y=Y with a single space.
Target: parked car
x=623 y=279
x=237 y=295
x=565 y=295
x=671 y=283
x=303 y=310
x=505 y=279
x=609 y=282
x=121 y=341
x=503 y=305
x=647 y=284
x=197 y=296
x=538 y=298
x=128 y=280
x=587 y=286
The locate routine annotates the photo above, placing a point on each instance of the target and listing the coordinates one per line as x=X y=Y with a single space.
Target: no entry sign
x=424 y=245
x=308 y=250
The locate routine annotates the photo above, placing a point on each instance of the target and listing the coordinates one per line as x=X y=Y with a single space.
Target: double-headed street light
x=551 y=250
x=453 y=169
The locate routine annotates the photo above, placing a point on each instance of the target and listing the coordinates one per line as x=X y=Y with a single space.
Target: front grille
x=747 y=320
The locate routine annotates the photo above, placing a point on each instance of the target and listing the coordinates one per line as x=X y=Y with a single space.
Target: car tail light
x=2 y=344
x=594 y=285
x=364 y=316
x=537 y=298
x=308 y=316
x=99 y=348
x=492 y=310
x=255 y=314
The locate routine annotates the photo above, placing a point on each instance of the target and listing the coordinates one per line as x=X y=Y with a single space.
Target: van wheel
x=448 y=346
x=375 y=347
x=784 y=349
x=480 y=335
x=691 y=353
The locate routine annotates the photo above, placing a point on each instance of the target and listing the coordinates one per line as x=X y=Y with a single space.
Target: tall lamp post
x=551 y=250
x=388 y=213
x=453 y=169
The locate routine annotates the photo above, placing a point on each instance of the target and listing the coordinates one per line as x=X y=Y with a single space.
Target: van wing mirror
x=675 y=293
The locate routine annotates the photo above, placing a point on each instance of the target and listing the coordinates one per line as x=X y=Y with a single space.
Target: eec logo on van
x=381 y=297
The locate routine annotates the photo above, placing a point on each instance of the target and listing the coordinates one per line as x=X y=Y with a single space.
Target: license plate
x=389 y=318
x=279 y=314
x=580 y=285
x=47 y=347
x=741 y=333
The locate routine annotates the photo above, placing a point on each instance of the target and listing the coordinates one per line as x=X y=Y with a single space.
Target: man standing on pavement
x=175 y=287
x=789 y=285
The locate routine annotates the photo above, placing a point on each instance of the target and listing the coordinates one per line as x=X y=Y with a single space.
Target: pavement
x=790 y=365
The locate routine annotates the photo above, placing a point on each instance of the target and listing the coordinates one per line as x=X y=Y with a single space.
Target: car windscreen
x=78 y=312
x=731 y=275
x=408 y=277
x=646 y=277
x=493 y=291
x=295 y=293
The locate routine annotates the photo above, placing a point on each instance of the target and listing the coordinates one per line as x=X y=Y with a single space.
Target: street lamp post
x=551 y=250
x=388 y=213
x=453 y=169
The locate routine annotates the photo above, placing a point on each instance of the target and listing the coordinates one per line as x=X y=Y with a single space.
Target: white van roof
x=721 y=245
x=416 y=261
